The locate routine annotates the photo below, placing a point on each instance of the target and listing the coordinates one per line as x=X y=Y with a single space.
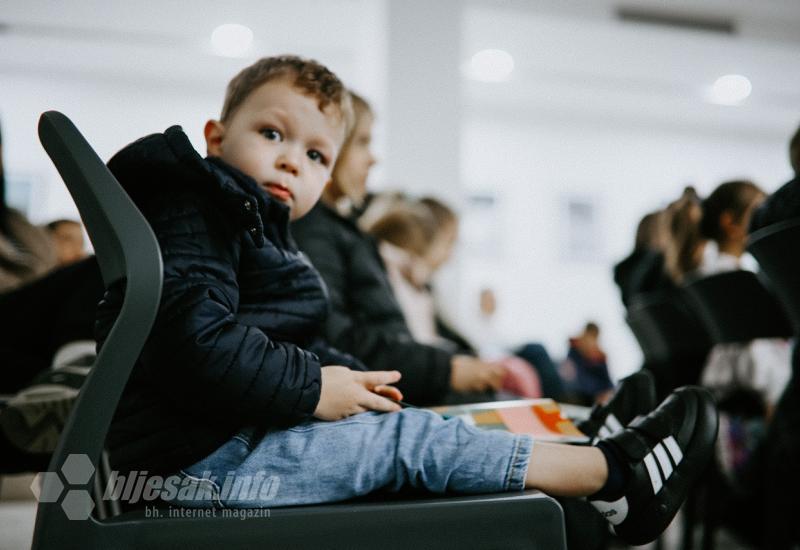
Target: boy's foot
x=33 y=419
x=664 y=453
x=635 y=395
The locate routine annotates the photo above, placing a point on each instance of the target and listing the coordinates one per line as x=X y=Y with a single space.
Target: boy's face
x=280 y=138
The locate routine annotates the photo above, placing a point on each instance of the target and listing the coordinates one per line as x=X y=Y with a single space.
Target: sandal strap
x=632 y=444
x=656 y=426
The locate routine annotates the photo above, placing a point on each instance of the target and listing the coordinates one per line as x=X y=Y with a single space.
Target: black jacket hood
x=150 y=163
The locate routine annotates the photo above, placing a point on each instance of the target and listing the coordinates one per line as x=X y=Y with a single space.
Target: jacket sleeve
x=332 y=356
x=207 y=362
x=381 y=346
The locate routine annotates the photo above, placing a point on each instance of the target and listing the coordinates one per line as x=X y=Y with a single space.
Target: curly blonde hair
x=309 y=76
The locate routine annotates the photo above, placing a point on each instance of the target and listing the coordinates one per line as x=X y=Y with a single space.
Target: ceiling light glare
x=731 y=89
x=231 y=40
x=490 y=66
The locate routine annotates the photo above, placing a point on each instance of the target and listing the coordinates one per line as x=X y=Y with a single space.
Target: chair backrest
x=735 y=306
x=128 y=254
x=776 y=248
x=674 y=342
x=665 y=326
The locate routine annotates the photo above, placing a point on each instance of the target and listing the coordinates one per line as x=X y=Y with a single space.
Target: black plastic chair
x=673 y=340
x=776 y=248
x=734 y=306
x=675 y=345
x=128 y=253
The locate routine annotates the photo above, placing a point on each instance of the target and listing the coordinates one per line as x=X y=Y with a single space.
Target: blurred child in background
x=68 y=240
x=26 y=252
x=585 y=370
x=416 y=238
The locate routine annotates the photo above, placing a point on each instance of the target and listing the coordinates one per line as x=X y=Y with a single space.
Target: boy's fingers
x=375 y=402
x=380 y=378
x=389 y=391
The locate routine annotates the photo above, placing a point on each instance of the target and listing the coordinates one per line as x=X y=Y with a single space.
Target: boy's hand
x=471 y=374
x=347 y=392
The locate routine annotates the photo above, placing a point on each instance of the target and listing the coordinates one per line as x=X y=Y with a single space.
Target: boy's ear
x=214 y=132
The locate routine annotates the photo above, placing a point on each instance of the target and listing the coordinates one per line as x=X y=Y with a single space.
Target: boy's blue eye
x=316 y=156
x=272 y=135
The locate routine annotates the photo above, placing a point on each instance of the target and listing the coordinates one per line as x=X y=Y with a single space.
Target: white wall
x=615 y=114
x=531 y=164
x=109 y=115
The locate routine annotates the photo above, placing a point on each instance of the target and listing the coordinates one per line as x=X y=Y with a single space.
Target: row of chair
x=676 y=328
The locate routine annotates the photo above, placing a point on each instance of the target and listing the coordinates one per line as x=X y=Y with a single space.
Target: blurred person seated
x=780 y=455
x=784 y=203
x=726 y=214
x=365 y=319
x=414 y=243
x=685 y=245
x=26 y=251
x=762 y=365
x=585 y=370
x=487 y=342
x=643 y=269
x=68 y=239
x=758 y=446
x=45 y=355
x=747 y=378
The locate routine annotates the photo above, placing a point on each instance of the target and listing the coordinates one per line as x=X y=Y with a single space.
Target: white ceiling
x=603 y=69
x=573 y=56
x=167 y=40
x=770 y=20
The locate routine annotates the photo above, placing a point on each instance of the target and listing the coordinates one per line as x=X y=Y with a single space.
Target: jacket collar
x=170 y=157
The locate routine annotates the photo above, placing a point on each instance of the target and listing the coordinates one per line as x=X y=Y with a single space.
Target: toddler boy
x=234 y=380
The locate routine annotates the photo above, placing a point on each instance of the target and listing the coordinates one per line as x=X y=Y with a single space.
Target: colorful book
x=543 y=419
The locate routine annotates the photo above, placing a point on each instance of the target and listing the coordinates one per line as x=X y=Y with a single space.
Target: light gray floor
x=17 y=512
x=16 y=524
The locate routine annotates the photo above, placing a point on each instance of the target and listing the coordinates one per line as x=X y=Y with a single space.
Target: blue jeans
x=319 y=461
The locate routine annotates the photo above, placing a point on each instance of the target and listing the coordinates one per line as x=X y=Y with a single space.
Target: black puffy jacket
x=365 y=319
x=781 y=205
x=236 y=339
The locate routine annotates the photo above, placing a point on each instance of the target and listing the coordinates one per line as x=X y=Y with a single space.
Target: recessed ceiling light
x=231 y=40
x=731 y=89
x=490 y=66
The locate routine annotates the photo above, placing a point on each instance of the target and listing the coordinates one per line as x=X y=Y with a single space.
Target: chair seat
x=504 y=521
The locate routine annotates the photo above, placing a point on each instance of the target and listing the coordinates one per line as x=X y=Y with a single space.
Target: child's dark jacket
x=236 y=339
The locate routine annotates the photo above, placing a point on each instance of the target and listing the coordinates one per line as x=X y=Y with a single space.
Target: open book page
x=541 y=418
